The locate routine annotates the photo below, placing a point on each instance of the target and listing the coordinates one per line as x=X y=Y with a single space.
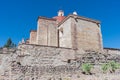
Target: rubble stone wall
x=44 y=55
x=112 y=51
x=38 y=62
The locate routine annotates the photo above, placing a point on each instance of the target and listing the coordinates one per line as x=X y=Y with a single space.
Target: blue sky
x=18 y=17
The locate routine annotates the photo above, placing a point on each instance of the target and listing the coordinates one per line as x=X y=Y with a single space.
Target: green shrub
x=105 y=67
x=114 y=65
x=110 y=66
x=86 y=68
x=118 y=65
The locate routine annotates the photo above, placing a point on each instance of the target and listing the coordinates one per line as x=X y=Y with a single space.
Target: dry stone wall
x=33 y=62
x=43 y=55
x=5 y=62
x=112 y=51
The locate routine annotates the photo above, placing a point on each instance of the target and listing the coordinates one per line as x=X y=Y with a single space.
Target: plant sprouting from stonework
x=110 y=66
x=105 y=67
x=114 y=65
x=86 y=68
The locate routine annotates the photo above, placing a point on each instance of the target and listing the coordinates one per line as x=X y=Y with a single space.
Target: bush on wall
x=86 y=68
x=110 y=66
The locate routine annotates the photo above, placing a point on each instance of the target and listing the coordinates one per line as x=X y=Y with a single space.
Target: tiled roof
x=40 y=17
x=59 y=18
x=79 y=17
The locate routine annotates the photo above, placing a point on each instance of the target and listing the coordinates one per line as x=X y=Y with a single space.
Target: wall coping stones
x=46 y=46
x=112 y=49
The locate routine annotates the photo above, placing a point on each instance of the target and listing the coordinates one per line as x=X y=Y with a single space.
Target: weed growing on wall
x=86 y=68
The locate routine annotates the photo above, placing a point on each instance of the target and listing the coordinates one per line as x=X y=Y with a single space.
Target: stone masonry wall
x=112 y=51
x=33 y=36
x=65 y=34
x=38 y=62
x=43 y=55
x=32 y=55
x=47 y=32
x=88 y=35
x=5 y=62
x=81 y=34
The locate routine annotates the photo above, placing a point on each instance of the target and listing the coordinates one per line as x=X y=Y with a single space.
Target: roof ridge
x=42 y=17
x=79 y=17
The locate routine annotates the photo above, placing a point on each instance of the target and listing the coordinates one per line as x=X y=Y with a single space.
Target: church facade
x=72 y=31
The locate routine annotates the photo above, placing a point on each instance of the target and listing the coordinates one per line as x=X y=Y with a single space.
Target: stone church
x=72 y=31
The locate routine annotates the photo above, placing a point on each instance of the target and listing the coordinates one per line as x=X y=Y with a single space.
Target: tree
x=9 y=44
